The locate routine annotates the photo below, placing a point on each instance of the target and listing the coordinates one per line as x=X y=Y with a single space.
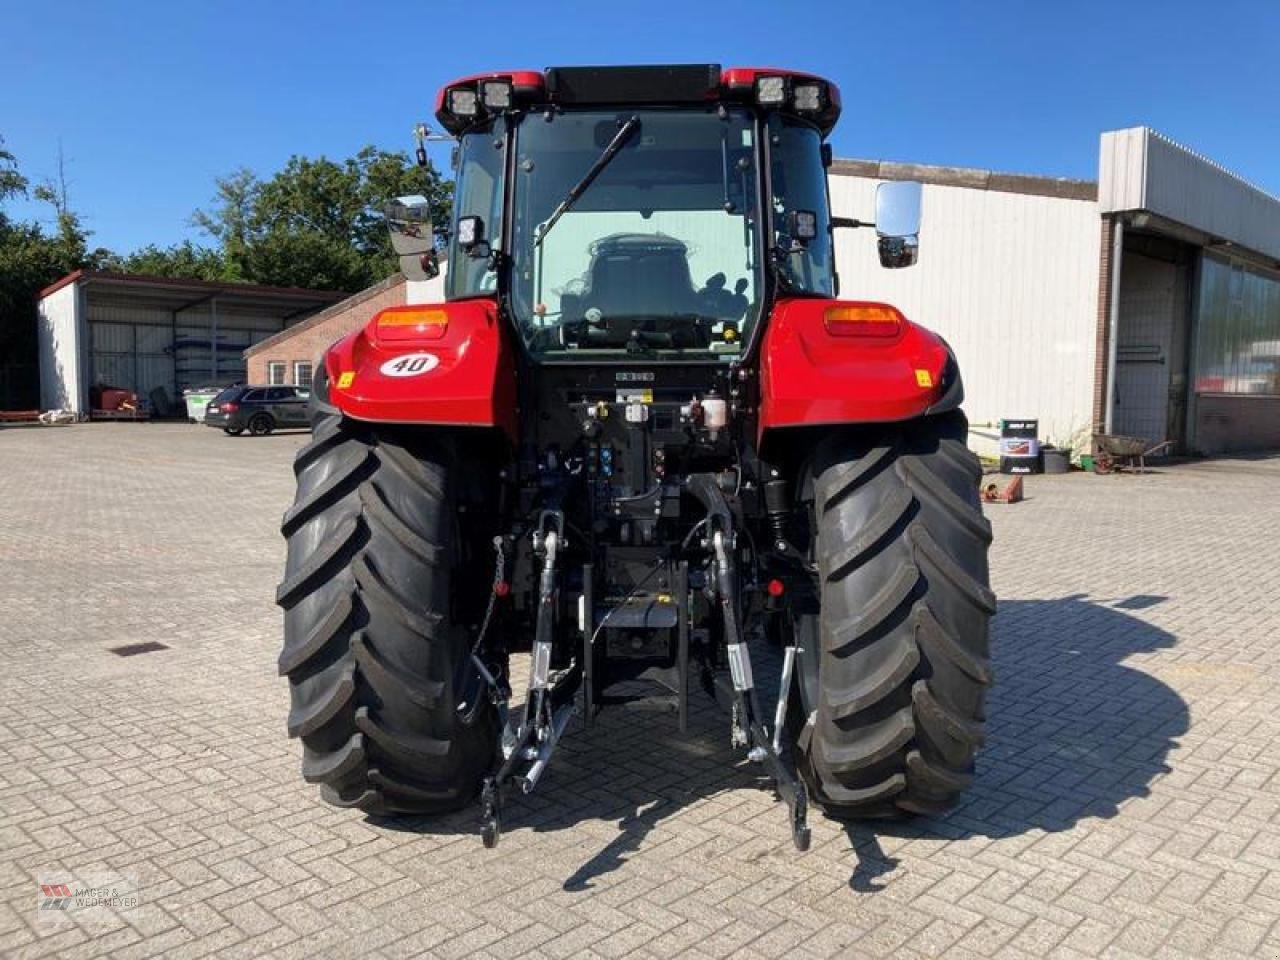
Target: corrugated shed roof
x=142 y=282
x=969 y=177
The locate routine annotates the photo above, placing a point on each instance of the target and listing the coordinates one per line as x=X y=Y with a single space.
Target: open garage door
x=1149 y=350
x=131 y=355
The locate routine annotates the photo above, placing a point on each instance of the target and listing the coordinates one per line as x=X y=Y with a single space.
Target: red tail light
x=863 y=320
x=229 y=407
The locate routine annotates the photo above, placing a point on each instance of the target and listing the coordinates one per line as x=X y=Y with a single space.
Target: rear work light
x=412 y=323
x=771 y=91
x=863 y=320
x=464 y=101
x=470 y=231
x=808 y=97
x=496 y=94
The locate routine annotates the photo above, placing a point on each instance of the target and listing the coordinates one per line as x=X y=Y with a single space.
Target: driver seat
x=645 y=281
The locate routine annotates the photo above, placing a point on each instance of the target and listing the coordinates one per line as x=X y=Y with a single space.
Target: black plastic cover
x=680 y=83
x=640 y=613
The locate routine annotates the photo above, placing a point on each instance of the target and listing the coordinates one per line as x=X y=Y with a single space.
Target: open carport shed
x=143 y=332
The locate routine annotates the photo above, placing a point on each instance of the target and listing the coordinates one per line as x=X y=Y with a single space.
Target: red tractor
x=641 y=439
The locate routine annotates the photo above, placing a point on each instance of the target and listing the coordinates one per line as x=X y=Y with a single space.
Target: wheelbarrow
x=1113 y=453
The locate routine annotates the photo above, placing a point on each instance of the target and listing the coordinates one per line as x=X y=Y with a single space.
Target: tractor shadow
x=1073 y=733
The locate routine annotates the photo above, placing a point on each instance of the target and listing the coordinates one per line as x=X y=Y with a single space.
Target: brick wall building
x=291 y=355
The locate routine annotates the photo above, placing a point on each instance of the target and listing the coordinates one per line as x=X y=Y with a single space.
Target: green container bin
x=197 y=401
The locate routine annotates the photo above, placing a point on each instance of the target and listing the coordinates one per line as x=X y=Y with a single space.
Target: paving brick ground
x=1127 y=804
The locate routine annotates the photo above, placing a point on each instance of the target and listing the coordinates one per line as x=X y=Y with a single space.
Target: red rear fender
x=448 y=364
x=810 y=375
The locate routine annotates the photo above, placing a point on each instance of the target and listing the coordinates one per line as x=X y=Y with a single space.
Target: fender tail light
x=863 y=320
x=411 y=323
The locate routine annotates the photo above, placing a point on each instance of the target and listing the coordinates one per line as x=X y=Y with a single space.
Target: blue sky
x=152 y=101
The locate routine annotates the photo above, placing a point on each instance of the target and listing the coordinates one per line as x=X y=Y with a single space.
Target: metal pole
x=173 y=352
x=213 y=336
x=85 y=368
x=1113 y=321
x=588 y=651
x=784 y=692
x=682 y=644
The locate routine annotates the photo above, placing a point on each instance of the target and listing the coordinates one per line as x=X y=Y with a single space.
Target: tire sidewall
x=868 y=734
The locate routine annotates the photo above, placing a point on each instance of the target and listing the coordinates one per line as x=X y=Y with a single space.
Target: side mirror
x=898 y=222
x=412 y=237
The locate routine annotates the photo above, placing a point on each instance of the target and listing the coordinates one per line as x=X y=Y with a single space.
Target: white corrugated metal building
x=1008 y=275
x=1147 y=305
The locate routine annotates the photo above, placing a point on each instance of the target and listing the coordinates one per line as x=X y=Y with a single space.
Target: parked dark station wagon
x=257 y=409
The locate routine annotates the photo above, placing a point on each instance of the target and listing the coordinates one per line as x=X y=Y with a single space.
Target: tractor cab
x=651 y=212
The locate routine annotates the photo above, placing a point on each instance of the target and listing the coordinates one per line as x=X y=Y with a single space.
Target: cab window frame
x=500 y=129
x=756 y=318
x=773 y=124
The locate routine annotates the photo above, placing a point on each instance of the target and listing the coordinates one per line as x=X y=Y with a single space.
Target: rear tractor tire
x=894 y=668
x=375 y=664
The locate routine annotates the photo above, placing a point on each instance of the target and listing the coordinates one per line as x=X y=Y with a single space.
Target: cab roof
x=639 y=85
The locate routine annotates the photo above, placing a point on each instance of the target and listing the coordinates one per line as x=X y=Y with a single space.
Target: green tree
x=317 y=222
x=183 y=260
x=229 y=222
x=12 y=183
x=31 y=259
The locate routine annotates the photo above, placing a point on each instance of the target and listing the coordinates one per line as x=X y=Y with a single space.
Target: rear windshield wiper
x=619 y=140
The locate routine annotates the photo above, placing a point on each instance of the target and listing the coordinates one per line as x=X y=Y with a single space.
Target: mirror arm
x=849 y=222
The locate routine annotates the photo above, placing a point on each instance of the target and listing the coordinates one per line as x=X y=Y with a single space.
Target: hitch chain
x=497 y=692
